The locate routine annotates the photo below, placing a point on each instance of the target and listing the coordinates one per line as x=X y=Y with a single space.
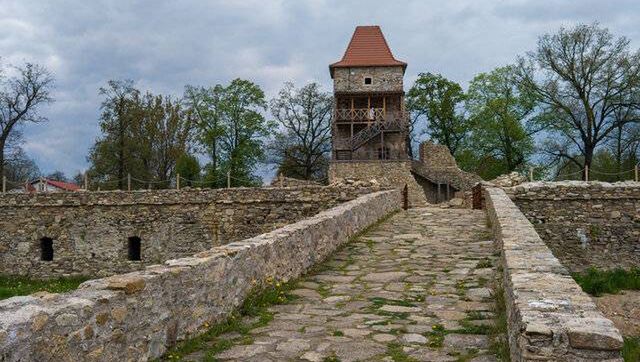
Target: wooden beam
x=384 y=105
x=352 y=109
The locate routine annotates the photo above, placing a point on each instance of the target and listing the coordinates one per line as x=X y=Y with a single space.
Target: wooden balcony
x=364 y=115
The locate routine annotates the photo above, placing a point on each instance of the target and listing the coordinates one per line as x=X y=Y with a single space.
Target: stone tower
x=369 y=121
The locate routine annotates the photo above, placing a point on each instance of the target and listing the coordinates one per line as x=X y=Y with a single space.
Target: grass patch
x=436 y=336
x=597 y=282
x=255 y=307
x=394 y=350
x=331 y=359
x=338 y=334
x=13 y=286
x=484 y=263
x=470 y=328
x=499 y=345
x=475 y=315
x=631 y=349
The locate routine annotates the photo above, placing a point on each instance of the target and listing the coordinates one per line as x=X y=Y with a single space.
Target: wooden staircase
x=391 y=122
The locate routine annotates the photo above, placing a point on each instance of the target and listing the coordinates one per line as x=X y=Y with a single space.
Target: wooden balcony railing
x=367 y=115
x=359 y=114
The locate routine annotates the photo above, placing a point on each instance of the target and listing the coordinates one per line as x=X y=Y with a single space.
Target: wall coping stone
x=136 y=316
x=541 y=190
x=162 y=197
x=549 y=317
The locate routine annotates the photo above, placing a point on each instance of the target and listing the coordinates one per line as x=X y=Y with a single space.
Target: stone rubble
x=509 y=180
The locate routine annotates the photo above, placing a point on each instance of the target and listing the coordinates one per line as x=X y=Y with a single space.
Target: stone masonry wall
x=137 y=316
x=90 y=230
x=585 y=223
x=388 y=173
x=383 y=79
x=549 y=317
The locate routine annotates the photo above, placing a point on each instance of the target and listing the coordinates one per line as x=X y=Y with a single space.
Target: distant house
x=46 y=185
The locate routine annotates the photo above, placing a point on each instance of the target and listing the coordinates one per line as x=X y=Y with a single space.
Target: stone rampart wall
x=137 y=316
x=586 y=224
x=91 y=230
x=388 y=173
x=549 y=317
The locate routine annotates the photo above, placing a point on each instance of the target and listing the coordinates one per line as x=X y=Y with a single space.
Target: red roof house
x=46 y=185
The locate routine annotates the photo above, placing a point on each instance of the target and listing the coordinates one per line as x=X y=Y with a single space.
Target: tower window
x=46 y=249
x=367 y=80
x=134 y=248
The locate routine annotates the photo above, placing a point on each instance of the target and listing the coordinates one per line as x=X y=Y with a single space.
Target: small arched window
x=134 y=248
x=46 y=249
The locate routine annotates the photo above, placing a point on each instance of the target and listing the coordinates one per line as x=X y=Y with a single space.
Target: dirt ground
x=623 y=309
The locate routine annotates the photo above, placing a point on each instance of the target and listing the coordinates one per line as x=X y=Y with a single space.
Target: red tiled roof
x=367 y=48
x=67 y=186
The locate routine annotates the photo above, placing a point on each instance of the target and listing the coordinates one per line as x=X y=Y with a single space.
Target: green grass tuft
x=394 y=350
x=499 y=345
x=255 y=305
x=631 y=349
x=11 y=286
x=436 y=336
x=597 y=282
x=484 y=263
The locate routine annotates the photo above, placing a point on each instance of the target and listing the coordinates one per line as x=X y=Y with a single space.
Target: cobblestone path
x=415 y=288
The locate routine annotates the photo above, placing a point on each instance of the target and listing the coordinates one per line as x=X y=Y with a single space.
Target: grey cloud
x=165 y=45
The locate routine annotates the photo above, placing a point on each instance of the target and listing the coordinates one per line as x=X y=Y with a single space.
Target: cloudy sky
x=163 y=45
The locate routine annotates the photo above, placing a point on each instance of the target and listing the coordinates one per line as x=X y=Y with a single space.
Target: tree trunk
x=409 y=148
x=2 y=143
x=619 y=153
x=588 y=158
x=120 y=148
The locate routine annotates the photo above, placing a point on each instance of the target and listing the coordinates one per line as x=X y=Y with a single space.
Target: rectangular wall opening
x=46 y=249
x=134 y=248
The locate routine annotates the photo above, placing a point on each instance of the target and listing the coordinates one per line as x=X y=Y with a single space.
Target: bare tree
x=305 y=116
x=21 y=96
x=582 y=76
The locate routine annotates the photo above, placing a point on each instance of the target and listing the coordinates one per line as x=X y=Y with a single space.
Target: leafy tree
x=21 y=97
x=245 y=129
x=113 y=155
x=143 y=135
x=206 y=110
x=583 y=77
x=188 y=168
x=500 y=114
x=301 y=148
x=19 y=167
x=438 y=102
x=163 y=133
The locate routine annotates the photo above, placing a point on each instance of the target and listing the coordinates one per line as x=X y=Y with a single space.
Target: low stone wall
x=586 y=224
x=549 y=317
x=90 y=230
x=389 y=173
x=137 y=316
